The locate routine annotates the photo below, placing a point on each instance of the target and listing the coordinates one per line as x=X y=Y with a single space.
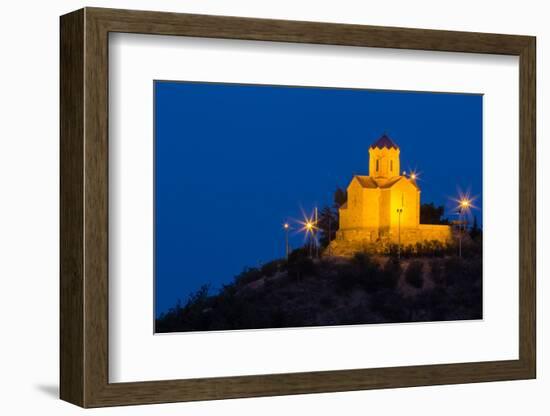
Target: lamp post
x=460 y=232
x=315 y=234
x=464 y=204
x=399 y=212
x=309 y=231
x=310 y=228
x=329 y=234
x=287 y=249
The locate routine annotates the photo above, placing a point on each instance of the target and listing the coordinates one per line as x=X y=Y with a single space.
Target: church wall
x=349 y=242
x=350 y=216
x=435 y=232
x=408 y=235
x=421 y=233
x=346 y=218
x=404 y=195
x=362 y=207
x=385 y=208
x=365 y=234
x=418 y=192
x=371 y=208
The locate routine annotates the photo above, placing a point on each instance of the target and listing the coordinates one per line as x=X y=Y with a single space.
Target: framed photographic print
x=255 y=207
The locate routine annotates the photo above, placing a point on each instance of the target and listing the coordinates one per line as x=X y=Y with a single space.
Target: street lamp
x=315 y=234
x=413 y=175
x=286 y=227
x=399 y=212
x=309 y=226
x=464 y=204
x=310 y=232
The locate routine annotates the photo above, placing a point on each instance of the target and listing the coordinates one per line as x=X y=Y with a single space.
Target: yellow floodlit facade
x=384 y=207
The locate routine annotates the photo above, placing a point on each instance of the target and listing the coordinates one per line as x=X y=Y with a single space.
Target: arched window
x=377 y=165
x=391 y=165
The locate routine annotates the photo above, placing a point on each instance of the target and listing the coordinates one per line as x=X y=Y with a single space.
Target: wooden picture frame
x=84 y=207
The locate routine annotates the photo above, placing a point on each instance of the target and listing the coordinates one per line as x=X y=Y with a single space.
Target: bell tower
x=384 y=158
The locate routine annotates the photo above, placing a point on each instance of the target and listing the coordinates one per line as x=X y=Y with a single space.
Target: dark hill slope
x=362 y=290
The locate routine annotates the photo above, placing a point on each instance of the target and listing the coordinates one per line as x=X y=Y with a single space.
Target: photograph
x=282 y=206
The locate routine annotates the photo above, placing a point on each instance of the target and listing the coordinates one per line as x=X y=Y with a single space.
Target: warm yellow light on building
x=384 y=206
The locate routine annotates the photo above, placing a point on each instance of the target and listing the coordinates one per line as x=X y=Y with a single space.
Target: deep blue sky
x=233 y=162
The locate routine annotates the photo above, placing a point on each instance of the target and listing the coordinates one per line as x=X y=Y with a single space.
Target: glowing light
x=464 y=202
x=286 y=226
x=309 y=225
x=414 y=175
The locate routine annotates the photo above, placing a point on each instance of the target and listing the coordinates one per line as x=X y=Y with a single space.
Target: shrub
x=362 y=272
x=362 y=259
x=454 y=270
x=475 y=269
x=269 y=269
x=277 y=319
x=438 y=248
x=298 y=254
x=199 y=297
x=408 y=251
x=194 y=315
x=346 y=279
x=437 y=272
x=392 y=250
x=364 y=265
x=299 y=264
x=413 y=275
x=471 y=248
x=389 y=276
x=431 y=305
x=327 y=302
x=391 y=305
x=248 y=275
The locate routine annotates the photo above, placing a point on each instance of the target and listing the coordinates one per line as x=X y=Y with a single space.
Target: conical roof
x=384 y=141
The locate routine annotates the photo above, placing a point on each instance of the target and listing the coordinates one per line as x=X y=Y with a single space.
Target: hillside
x=363 y=289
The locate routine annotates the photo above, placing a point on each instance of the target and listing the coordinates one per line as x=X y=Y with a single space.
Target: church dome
x=384 y=141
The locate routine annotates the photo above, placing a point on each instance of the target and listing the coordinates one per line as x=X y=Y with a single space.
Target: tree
x=328 y=224
x=340 y=197
x=431 y=214
x=475 y=231
x=329 y=218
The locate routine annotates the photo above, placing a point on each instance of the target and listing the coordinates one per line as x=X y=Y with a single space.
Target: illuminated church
x=384 y=207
